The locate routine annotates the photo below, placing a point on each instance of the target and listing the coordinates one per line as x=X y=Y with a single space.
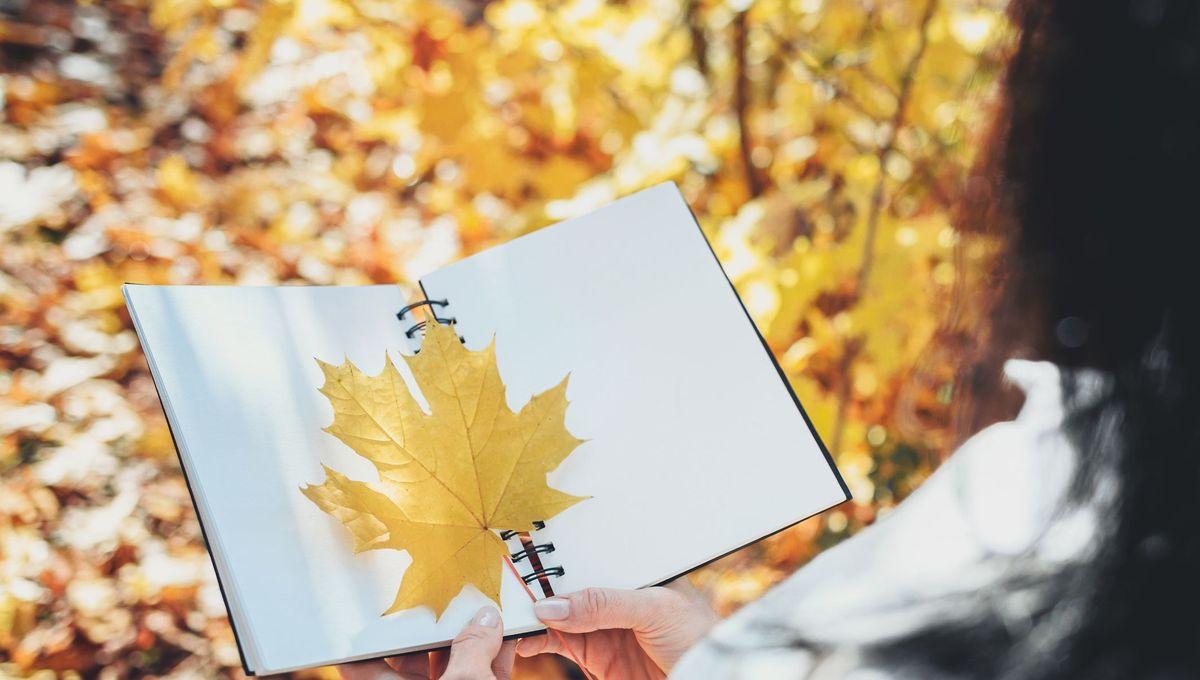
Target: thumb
x=474 y=649
x=600 y=608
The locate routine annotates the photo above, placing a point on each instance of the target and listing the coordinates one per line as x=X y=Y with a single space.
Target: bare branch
x=741 y=103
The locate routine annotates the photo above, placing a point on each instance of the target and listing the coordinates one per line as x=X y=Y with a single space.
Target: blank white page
x=235 y=368
x=696 y=445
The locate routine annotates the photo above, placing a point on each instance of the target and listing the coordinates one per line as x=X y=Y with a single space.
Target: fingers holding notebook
x=478 y=652
x=647 y=630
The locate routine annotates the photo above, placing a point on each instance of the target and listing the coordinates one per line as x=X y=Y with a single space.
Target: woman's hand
x=625 y=634
x=478 y=653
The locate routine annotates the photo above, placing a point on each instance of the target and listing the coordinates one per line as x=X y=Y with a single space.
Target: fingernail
x=552 y=609
x=487 y=617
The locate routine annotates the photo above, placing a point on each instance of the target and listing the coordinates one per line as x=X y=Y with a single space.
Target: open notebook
x=695 y=444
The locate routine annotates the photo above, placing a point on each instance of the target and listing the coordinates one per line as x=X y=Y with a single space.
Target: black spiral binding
x=532 y=552
x=542 y=573
x=420 y=325
x=505 y=535
x=541 y=549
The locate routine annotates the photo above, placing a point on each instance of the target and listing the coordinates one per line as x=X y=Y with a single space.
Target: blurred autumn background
x=821 y=143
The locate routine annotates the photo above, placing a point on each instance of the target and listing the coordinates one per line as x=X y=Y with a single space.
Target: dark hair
x=1092 y=178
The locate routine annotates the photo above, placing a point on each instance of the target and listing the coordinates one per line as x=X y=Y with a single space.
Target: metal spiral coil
x=543 y=573
x=532 y=552
x=420 y=325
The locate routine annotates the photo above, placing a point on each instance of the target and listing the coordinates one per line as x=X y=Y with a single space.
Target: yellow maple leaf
x=449 y=479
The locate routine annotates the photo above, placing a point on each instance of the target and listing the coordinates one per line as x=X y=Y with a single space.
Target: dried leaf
x=449 y=479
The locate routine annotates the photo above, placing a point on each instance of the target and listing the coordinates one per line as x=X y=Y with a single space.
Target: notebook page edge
x=837 y=474
x=541 y=232
x=238 y=620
